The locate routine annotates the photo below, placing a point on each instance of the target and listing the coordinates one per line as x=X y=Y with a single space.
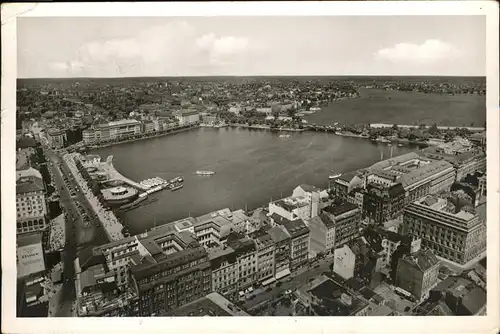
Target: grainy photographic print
x=253 y=166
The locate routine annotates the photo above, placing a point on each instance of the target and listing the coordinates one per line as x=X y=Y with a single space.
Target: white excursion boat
x=204 y=172
x=334 y=176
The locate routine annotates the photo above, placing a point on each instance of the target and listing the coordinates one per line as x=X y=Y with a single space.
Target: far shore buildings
x=456 y=236
x=112 y=130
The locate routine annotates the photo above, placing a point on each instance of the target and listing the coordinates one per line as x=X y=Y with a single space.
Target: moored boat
x=176 y=187
x=334 y=176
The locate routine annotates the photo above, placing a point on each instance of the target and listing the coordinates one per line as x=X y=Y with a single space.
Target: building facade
x=30 y=205
x=321 y=235
x=417 y=273
x=382 y=203
x=56 y=138
x=225 y=274
x=347 y=220
x=172 y=282
x=456 y=236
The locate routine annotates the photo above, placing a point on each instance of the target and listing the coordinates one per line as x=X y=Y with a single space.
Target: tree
x=433 y=129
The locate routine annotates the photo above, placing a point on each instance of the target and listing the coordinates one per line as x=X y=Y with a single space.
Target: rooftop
x=291 y=203
x=338 y=209
x=29 y=184
x=335 y=300
x=423 y=260
x=278 y=234
x=308 y=188
x=424 y=172
x=212 y=304
x=395 y=161
x=296 y=228
x=28 y=239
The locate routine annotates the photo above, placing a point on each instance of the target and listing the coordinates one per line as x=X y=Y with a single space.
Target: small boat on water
x=334 y=176
x=204 y=172
x=400 y=145
x=176 y=180
x=175 y=187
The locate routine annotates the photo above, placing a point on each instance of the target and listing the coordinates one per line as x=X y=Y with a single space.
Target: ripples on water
x=252 y=166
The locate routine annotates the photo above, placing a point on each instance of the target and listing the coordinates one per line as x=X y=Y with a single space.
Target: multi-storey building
x=347 y=182
x=347 y=220
x=188 y=117
x=265 y=255
x=382 y=203
x=246 y=255
x=281 y=240
x=212 y=229
x=299 y=243
x=417 y=273
x=293 y=208
x=56 y=138
x=321 y=235
x=148 y=126
x=120 y=255
x=456 y=236
x=171 y=281
x=225 y=274
x=112 y=130
x=30 y=204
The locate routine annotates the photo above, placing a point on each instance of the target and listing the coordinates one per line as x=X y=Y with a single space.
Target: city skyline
x=231 y=46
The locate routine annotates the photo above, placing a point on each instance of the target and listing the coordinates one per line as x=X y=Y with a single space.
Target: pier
x=114 y=175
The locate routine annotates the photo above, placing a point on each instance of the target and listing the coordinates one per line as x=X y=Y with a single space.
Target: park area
x=411 y=108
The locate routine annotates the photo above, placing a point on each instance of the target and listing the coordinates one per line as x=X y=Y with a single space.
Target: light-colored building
x=293 y=208
x=56 y=138
x=456 y=236
x=30 y=204
x=312 y=195
x=265 y=256
x=30 y=171
x=188 y=117
x=321 y=235
x=344 y=262
x=212 y=229
x=30 y=255
x=148 y=126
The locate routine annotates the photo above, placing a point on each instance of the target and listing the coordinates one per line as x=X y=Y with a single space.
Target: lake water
x=252 y=166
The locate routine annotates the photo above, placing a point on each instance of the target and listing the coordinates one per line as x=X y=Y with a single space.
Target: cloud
x=431 y=50
x=160 y=49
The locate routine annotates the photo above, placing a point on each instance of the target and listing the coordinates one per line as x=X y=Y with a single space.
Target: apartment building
x=383 y=202
x=171 y=281
x=347 y=219
x=30 y=204
x=281 y=240
x=321 y=235
x=246 y=255
x=225 y=274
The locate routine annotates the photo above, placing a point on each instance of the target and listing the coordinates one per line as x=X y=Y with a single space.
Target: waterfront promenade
x=406 y=126
x=107 y=218
x=114 y=175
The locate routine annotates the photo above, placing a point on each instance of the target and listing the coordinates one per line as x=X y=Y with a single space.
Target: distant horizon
x=259 y=76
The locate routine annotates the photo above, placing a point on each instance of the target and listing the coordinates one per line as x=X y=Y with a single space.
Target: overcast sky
x=197 y=46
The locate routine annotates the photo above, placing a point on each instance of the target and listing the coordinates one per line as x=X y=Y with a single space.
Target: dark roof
x=348 y=176
x=29 y=239
x=173 y=260
x=278 y=234
x=396 y=190
x=309 y=188
x=279 y=219
x=329 y=293
x=87 y=258
x=296 y=228
x=29 y=184
x=25 y=142
x=339 y=209
x=326 y=220
x=242 y=245
x=199 y=308
x=423 y=259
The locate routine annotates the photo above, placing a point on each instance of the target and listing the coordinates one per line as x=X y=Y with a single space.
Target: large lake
x=252 y=166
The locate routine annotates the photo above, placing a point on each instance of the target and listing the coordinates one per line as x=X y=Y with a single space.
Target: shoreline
x=265 y=127
x=156 y=135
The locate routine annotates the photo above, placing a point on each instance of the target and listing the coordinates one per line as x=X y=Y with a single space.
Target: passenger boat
x=176 y=187
x=204 y=172
x=334 y=176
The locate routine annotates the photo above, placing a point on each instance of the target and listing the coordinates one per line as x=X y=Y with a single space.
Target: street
x=76 y=234
x=289 y=283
